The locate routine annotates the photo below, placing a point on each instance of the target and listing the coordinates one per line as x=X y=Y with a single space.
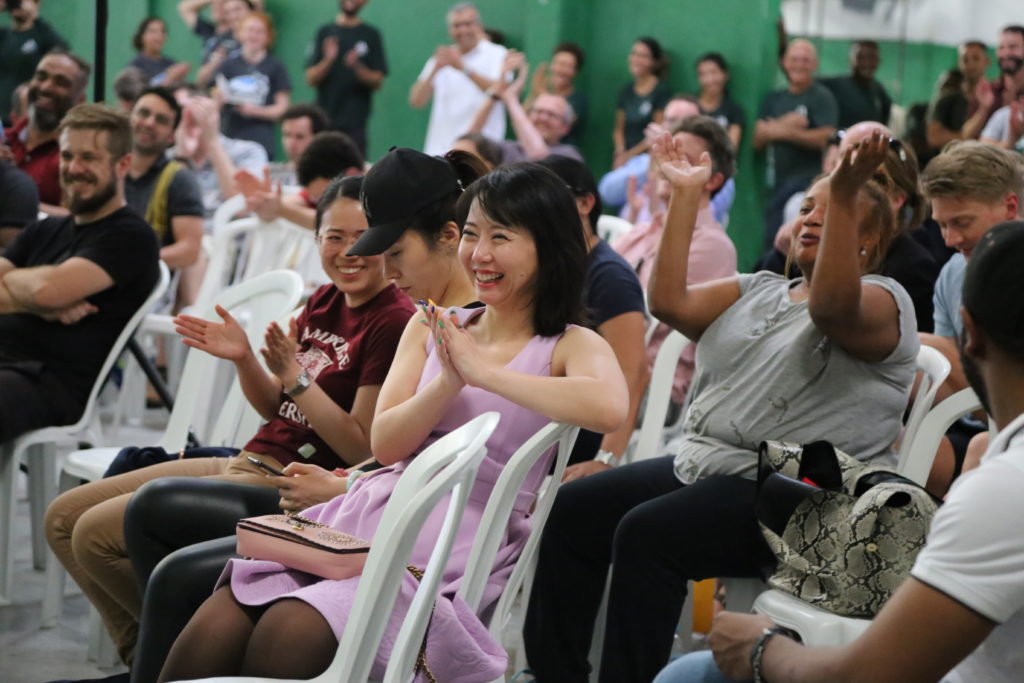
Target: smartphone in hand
x=264 y=466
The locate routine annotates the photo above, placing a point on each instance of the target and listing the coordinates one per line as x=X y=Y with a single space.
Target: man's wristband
x=605 y=458
x=762 y=642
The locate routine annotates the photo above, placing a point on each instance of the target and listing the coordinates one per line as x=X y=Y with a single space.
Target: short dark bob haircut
x=531 y=197
x=342 y=187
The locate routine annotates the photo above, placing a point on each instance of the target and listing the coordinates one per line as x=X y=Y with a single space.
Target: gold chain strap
x=421 y=658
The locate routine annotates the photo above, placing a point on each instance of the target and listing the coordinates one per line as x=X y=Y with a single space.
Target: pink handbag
x=302 y=544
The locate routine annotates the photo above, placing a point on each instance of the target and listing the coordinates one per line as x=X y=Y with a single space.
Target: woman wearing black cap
x=409 y=200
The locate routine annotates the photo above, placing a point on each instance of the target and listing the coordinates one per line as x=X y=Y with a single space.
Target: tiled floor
x=29 y=654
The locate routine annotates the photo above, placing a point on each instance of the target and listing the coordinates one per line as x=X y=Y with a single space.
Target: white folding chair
x=921 y=451
x=448 y=465
x=265 y=298
x=659 y=393
x=39 y=449
x=610 y=228
x=934 y=368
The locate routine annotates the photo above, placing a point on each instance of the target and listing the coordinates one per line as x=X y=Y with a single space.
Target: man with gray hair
x=460 y=78
x=540 y=130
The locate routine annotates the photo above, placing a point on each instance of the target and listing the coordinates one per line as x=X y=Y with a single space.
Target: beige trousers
x=85 y=529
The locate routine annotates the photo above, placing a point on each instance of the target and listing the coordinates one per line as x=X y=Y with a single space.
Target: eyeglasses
x=895 y=144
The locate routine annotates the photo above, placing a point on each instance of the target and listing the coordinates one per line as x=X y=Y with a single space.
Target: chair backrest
x=922 y=449
x=610 y=228
x=282 y=244
x=934 y=368
x=120 y=343
x=448 y=465
x=659 y=393
x=220 y=270
x=227 y=211
x=264 y=298
x=496 y=515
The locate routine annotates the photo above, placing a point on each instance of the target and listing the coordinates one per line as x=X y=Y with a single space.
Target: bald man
x=793 y=126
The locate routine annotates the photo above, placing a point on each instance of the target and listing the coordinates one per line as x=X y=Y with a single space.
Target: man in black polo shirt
x=346 y=65
x=164 y=192
x=69 y=284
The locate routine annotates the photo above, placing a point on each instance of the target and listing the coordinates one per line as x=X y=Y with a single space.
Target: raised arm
x=687 y=308
x=189 y=10
x=526 y=133
x=862 y=318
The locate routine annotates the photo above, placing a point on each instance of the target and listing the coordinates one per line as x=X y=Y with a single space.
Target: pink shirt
x=712 y=256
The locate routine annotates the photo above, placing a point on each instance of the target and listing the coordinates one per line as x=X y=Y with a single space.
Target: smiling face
x=421 y=272
x=964 y=221
x=88 y=174
x=711 y=77
x=254 y=34
x=154 y=37
x=640 y=61
x=234 y=11
x=501 y=260
x=296 y=134
x=1010 y=52
x=548 y=114
x=800 y=62
x=359 y=277
x=563 y=69
x=152 y=125
x=864 y=60
x=55 y=85
x=464 y=29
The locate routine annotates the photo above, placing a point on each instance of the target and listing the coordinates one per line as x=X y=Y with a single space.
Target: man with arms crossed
x=69 y=284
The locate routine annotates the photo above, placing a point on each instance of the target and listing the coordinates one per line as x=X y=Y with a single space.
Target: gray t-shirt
x=946 y=298
x=999 y=125
x=184 y=197
x=765 y=372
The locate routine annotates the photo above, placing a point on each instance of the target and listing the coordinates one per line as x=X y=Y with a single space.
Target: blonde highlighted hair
x=99 y=117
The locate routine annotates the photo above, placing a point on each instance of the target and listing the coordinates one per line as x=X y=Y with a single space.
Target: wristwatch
x=605 y=458
x=302 y=383
x=758 y=652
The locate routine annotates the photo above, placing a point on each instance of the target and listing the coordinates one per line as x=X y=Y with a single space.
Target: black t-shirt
x=341 y=94
x=184 y=198
x=949 y=109
x=125 y=247
x=19 y=197
x=213 y=40
x=152 y=67
x=910 y=264
x=728 y=113
x=255 y=84
x=859 y=101
x=639 y=109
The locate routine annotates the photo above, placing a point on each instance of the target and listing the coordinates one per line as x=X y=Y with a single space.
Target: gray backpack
x=844 y=533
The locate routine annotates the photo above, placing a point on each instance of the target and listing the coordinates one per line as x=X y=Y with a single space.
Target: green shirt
x=859 y=101
x=20 y=52
x=788 y=161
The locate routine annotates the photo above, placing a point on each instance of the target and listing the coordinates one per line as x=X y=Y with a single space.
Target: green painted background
x=742 y=30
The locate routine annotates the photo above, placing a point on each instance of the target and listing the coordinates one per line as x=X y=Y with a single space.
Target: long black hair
x=531 y=197
x=342 y=187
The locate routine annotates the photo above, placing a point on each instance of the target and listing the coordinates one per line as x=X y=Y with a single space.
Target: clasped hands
x=461 y=362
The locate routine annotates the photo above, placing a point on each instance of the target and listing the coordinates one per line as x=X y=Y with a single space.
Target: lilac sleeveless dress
x=459 y=648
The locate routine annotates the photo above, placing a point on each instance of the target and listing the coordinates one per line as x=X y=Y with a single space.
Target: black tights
x=285 y=639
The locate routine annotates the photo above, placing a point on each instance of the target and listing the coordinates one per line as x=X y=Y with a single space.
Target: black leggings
x=657 y=534
x=162 y=522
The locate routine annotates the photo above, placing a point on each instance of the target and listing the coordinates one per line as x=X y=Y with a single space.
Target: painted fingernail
x=440 y=323
x=440 y=341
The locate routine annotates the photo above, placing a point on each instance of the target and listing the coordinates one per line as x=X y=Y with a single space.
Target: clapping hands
x=678 y=171
x=461 y=362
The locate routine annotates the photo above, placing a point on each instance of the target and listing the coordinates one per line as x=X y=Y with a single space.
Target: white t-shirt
x=457 y=98
x=975 y=555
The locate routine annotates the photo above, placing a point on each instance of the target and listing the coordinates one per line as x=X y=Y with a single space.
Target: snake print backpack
x=844 y=533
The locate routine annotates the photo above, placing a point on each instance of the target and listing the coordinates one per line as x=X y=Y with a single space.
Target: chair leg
x=56 y=577
x=42 y=478
x=8 y=495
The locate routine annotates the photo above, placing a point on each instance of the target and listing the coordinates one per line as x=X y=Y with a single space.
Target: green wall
x=742 y=30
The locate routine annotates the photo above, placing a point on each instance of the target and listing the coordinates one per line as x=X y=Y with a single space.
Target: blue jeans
x=696 y=667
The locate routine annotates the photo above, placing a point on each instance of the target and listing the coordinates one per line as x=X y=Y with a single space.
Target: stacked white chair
x=610 y=228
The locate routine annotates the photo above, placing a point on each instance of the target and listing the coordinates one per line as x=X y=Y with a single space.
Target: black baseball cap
x=993 y=289
x=395 y=189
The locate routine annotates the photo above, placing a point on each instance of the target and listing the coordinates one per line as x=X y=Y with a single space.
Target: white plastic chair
x=659 y=393
x=934 y=368
x=610 y=228
x=921 y=451
x=39 y=448
x=266 y=298
x=448 y=465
